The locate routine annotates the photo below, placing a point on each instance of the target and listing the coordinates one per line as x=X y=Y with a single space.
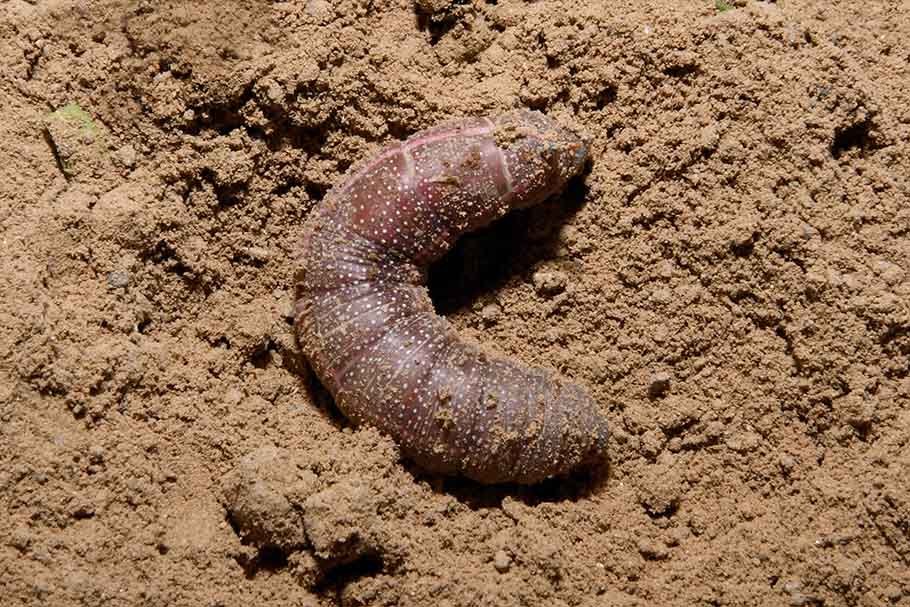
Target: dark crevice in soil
x=166 y=256
x=684 y=70
x=337 y=577
x=441 y=23
x=316 y=191
x=745 y=248
x=666 y=513
x=482 y=262
x=853 y=137
x=262 y=356
x=268 y=558
x=606 y=96
x=572 y=487
x=57 y=158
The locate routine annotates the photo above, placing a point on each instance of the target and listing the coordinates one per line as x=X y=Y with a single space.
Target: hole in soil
x=163 y=253
x=484 y=261
x=681 y=70
x=744 y=248
x=268 y=558
x=263 y=355
x=854 y=137
x=368 y=565
x=315 y=191
x=606 y=96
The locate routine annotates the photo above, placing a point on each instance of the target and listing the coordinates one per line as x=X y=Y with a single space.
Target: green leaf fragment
x=72 y=112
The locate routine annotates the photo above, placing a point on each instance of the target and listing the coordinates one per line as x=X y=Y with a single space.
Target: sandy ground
x=730 y=280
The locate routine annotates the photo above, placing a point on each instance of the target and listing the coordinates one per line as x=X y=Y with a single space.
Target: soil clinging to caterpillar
x=365 y=320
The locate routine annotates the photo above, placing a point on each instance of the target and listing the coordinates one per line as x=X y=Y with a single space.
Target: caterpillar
x=364 y=319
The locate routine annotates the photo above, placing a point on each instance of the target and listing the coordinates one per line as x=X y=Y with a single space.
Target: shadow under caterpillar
x=365 y=321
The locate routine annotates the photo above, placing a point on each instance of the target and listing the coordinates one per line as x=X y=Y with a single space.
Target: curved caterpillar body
x=366 y=323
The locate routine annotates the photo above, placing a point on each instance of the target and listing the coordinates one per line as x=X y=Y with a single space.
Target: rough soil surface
x=731 y=280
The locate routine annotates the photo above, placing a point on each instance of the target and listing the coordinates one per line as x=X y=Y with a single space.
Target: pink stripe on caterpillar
x=366 y=324
x=394 y=149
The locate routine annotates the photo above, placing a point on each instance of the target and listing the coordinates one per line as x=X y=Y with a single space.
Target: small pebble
x=743 y=243
x=82 y=510
x=118 y=280
x=501 y=561
x=787 y=463
x=126 y=155
x=662 y=296
x=677 y=535
x=652 y=443
x=743 y=442
x=808 y=232
x=319 y=9
x=859 y=413
x=490 y=314
x=20 y=539
x=275 y=92
x=40 y=589
x=798 y=599
x=96 y=454
x=289 y=311
x=258 y=253
x=653 y=550
x=794 y=589
x=891 y=273
x=549 y=282
x=660 y=383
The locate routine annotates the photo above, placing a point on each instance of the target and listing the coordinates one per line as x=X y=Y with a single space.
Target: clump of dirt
x=730 y=280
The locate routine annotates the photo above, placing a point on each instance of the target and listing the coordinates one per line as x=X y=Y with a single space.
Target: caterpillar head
x=539 y=156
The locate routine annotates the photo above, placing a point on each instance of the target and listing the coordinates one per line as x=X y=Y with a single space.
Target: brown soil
x=731 y=280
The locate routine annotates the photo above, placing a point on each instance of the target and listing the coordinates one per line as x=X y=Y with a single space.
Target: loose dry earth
x=731 y=280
